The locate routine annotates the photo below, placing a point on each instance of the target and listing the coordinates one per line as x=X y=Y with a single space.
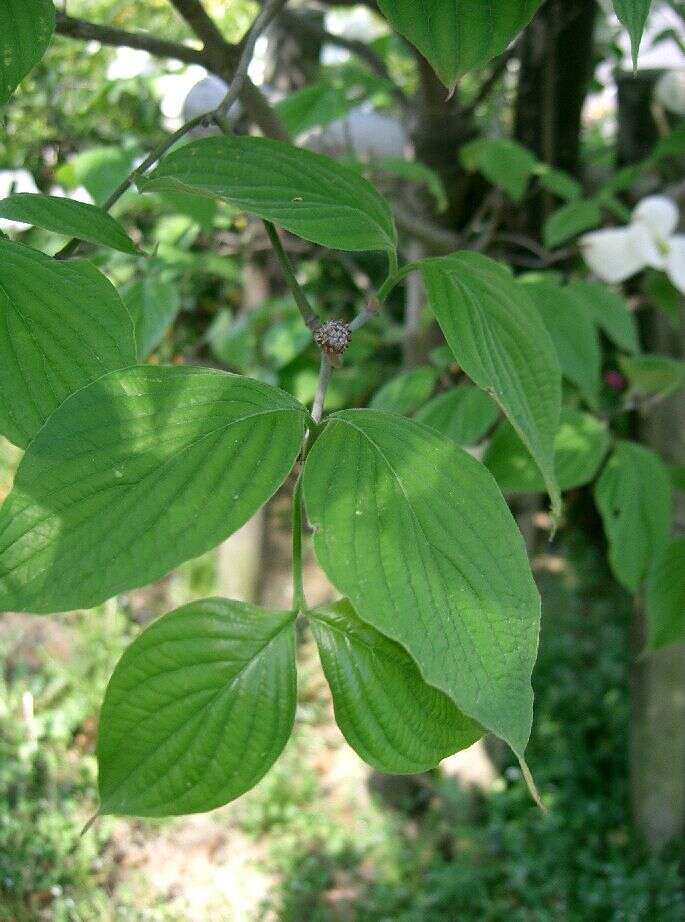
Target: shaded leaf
x=388 y=714
x=570 y=220
x=415 y=532
x=633 y=14
x=153 y=303
x=633 y=496
x=610 y=312
x=499 y=339
x=134 y=474
x=573 y=332
x=198 y=709
x=67 y=217
x=580 y=447
x=456 y=35
x=306 y=193
x=62 y=325
x=464 y=414
x=653 y=375
x=407 y=392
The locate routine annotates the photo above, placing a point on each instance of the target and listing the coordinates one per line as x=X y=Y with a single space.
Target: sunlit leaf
x=580 y=447
x=198 y=709
x=406 y=392
x=416 y=534
x=62 y=325
x=499 y=339
x=67 y=217
x=570 y=220
x=308 y=194
x=464 y=414
x=134 y=474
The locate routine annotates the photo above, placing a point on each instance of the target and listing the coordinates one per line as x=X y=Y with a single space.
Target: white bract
x=670 y=91
x=616 y=254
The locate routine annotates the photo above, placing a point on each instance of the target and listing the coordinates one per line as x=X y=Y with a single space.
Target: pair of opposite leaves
x=147 y=467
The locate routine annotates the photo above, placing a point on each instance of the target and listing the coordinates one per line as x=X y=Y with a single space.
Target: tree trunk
x=556 y=69
x=657 y=744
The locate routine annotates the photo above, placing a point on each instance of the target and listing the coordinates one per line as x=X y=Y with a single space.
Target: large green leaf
x=406 y=392
x=459 y=35
x=306 y=193
x=67 y=217
x=633 y=14
x=198 y=709
x=633 y=496
x=581 y=445
x=62 y=325
x=499 y=339
x=416 y=534
x=388 y=714
x=574 y=335
x=134 y=474
x=665 y=597
x=154 y=303
x=26 y=27
x=610 y=312
x=464 y=414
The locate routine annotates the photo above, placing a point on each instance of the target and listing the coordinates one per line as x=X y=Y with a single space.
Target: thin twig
x=218 y=115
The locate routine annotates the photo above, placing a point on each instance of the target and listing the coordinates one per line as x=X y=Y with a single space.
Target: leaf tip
x=530 y=784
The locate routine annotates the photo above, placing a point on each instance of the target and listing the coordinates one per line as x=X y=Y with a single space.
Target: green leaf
x=633 y=14
x=570 y=220
x=677 y=475
x=499 y=339
x=653 y=375
x=62 y=325
x=457 y=35
x=559 y=183
x=407 y=392
x=419 y=173
x=416 y=534
x=198 y=709
x=464 y=414
x=72 y=219
x=574 y=335
x=506 y=164
x=665 y=598
x=134 y=474
x=672 y=145
x=610 y=312
x=308 y=194
x=153 y=303
x=315 y=106
x=388 y=714
x=26 y=27
x=581 y=445
x=662 y=293
x=633 y=496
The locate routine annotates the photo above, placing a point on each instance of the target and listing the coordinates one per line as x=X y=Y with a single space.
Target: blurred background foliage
x=318 y=840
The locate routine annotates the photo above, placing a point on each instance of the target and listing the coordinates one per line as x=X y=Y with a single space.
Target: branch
x=200 y=23
x=218 y=115
x=118 y=38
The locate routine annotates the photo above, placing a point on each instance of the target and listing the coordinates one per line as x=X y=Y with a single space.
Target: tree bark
x=657 y=732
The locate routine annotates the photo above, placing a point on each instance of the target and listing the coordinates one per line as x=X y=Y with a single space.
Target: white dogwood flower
x=616 y=254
